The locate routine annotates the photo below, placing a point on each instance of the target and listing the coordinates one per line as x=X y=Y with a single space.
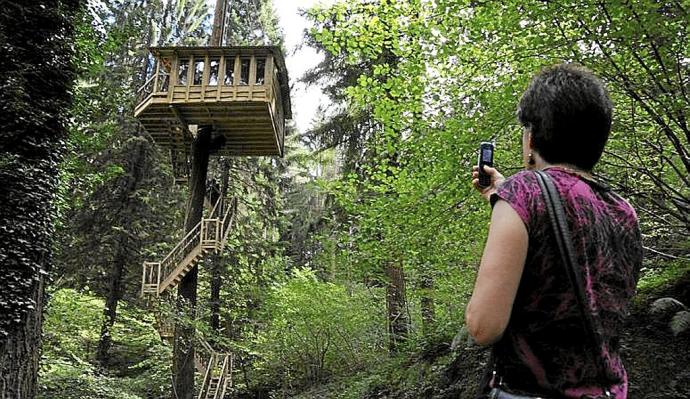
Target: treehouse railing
x=208 y=234
x=146 y=89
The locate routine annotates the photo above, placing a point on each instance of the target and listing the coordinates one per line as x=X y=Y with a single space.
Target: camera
x=486 y=157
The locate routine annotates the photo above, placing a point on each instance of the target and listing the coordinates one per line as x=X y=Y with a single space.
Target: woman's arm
x=499 y=275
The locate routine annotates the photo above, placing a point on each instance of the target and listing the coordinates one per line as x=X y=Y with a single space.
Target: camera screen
x=487 y=154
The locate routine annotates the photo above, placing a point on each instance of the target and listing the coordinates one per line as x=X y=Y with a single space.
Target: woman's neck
x=541 y=164
x=567 y=167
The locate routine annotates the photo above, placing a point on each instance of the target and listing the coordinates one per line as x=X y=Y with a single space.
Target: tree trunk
x=398 y=321
x=427 y=302
x=110 y=310
x=20 y=350
x=218 y=30
x=183 y=347
x=122 y=256
x=35 y=96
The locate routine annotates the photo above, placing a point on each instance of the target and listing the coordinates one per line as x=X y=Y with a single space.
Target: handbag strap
x=554 y=208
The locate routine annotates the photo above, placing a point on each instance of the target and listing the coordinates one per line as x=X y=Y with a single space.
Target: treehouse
x=242 y=92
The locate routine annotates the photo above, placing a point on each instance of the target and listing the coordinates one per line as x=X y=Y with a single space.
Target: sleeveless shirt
x=545 y=349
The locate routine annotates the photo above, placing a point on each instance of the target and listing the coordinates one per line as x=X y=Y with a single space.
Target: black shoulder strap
x=554 y=207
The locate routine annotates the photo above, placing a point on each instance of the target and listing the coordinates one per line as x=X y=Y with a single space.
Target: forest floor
x=658 y=363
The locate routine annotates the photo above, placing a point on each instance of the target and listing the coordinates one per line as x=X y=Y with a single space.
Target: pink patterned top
x=545 y=349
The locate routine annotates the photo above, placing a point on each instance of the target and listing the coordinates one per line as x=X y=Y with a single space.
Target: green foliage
x=70 y=380
x=252 y=23
x=140 y=362
x=658 y=277
x=317 y=330
x=439 y=77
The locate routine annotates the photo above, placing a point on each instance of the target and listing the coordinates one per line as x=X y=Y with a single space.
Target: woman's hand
x=496 y=181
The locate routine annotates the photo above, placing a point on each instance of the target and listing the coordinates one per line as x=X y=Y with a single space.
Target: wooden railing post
x=157 y=74
x=143 y=279
x=218 y=235
x=158 y=281
x=203 y=230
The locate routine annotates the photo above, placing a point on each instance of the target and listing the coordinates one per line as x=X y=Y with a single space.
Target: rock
x=664 y=308
x=680 y=323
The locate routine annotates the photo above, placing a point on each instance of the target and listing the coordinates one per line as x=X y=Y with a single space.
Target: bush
x=140 y=361
x=316 y=330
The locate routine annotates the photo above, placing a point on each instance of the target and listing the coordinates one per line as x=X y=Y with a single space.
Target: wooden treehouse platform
x=242 y=92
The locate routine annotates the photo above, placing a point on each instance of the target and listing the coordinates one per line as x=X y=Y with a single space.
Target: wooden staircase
x=159 y=278
x=217 y=371
x=210 y=234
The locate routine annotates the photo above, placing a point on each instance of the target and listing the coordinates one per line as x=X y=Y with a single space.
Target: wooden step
x=182 y=269
x=196 y=256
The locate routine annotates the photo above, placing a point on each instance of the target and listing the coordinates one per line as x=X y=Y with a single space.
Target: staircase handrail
x=215 y=207
x=228 y=219
x=165 y=272
x=205 y=382
x=205 y=344
x=223 y=377
x=215 y=358
x=222 y=382
x=209 y=233
x=182 y=249
x=205 y=351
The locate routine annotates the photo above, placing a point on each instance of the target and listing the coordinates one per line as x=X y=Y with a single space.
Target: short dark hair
x=568 y=112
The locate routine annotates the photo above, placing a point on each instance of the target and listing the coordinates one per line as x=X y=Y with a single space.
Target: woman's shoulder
x=523 y=183
x=522 y=192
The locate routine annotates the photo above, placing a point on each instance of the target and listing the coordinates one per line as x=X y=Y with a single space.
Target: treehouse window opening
x=229 y=79
x=260 y=71
x=244 y=71
x=164 y=75
x=198 y=72
x=213 y=72
x=183 y=71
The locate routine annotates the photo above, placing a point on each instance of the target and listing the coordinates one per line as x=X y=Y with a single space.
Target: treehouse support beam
x=181 y=120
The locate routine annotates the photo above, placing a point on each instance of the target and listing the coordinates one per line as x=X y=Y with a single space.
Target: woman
x=523 y=303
